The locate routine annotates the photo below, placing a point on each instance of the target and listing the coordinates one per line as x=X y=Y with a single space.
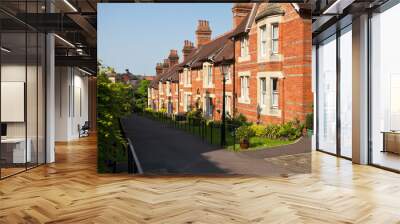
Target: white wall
x=71 y=102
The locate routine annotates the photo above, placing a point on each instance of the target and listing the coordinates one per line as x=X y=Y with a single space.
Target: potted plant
x=244 y=133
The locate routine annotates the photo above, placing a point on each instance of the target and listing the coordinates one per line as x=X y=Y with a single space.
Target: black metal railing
x=209 y=131
x=133 y=161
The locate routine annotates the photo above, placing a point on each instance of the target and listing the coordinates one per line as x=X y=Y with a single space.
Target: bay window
x=263 y=41
x=274 y=38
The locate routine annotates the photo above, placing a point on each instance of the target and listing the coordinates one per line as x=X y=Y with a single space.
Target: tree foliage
x=140 y=95
x=114 y=101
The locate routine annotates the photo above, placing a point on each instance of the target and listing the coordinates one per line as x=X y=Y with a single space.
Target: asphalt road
x=166 y=150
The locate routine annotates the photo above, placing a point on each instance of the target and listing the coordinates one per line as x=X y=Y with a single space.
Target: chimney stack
x=165 y=65
x=159 y=68
x=188 y=48
x=173 y=58
x=203 y=33
x=240 y=11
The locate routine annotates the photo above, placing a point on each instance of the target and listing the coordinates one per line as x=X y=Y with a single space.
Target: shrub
x=259 y=130
x=195 y=114
x=244 y=133
x=238 y=120
x=162 y=111
x=291 y=130
x=148 y=109
x=272 y=131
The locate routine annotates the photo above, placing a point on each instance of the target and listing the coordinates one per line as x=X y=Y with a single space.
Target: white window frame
x=187 y=81
x=177 y=106
x=270 y=55
x=263 y=40
x=186 y=101
x=244 y=89
x=274 y=38
x=168 y=88
x=208 y=106
x=268 y=108
x=263 y=91
x=274 y=93
x=244 y=49
x=228 y=103
x=160 y=88
x=208 y=75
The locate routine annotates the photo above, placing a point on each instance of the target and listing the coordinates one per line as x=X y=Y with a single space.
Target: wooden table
x=391 y=141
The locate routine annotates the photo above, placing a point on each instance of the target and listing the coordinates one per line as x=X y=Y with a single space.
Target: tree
x=114 y=101
x=140 y=95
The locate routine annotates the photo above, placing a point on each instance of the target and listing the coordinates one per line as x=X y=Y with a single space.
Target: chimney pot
x=203 y=33
x=187 y=49
x=240 y=11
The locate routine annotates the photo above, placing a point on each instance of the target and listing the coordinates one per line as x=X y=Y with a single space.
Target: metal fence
x=134 y=165
x=209 y=131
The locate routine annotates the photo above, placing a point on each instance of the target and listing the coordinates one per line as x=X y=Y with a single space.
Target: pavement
x=162 y=149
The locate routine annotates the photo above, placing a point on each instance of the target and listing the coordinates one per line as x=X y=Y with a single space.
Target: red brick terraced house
x=268 y=58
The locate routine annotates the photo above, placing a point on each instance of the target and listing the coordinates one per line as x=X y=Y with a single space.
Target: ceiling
x=73 y=21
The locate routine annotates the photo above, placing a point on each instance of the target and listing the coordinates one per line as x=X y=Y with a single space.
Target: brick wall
x=295 y=97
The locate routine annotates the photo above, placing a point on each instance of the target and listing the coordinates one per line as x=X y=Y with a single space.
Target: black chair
x=84 y=130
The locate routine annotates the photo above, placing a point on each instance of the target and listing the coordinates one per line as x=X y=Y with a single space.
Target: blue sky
x=137 y=36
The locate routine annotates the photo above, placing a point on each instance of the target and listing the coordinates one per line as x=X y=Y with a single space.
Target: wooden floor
x=70 y=191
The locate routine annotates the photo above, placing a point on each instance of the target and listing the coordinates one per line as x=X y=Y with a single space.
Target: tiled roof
x=207 y=51
x=170 y=73
x=217 y=50
x=154 y=82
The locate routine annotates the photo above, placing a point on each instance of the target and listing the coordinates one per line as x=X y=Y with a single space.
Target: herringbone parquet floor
x=70 y=191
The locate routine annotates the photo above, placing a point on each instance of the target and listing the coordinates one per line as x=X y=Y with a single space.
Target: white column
x=360 y=90
x=314 y=91
x=50 y=101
